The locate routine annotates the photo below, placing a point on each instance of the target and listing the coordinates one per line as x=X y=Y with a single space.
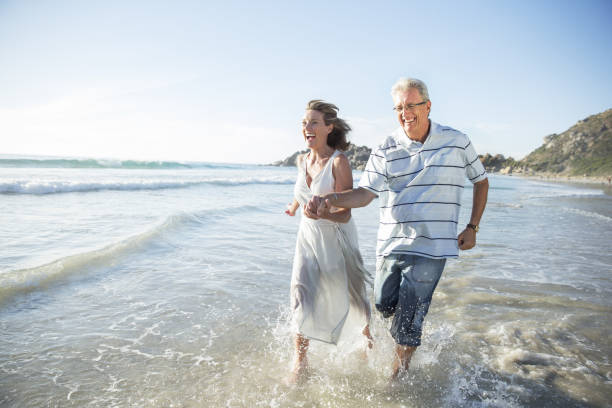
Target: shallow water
x=169 y=287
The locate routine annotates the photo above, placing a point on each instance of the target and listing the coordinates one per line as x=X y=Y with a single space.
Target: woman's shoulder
x=341 y=160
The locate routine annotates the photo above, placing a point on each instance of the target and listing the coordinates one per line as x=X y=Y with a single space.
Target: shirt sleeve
x=474 y=169
x=374 y=177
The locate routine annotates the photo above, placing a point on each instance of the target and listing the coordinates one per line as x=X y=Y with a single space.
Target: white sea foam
x=565 y=194
x=589 y=214
x=68 y=186
x=504 y=205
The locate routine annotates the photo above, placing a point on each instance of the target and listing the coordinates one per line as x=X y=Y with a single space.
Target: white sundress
x=328 y=272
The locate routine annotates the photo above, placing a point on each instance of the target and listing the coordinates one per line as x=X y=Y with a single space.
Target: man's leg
x=386 y=297
x=419 y=278
x=386 y=286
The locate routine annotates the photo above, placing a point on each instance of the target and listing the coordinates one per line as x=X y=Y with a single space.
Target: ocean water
x=130 y=284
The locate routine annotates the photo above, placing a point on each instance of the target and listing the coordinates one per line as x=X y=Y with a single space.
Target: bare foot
x=395 y=383
x=363 y=354
x=299 y=373
x=395 y=372
x=401 y=362
x=397 y=378
x=366 y=332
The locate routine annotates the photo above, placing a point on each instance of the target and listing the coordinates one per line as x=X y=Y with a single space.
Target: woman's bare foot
x=363 y=354
x=366 y=332
x=299 y=373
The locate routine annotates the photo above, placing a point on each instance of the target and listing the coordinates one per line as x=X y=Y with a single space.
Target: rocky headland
x=581 y=153
x=357 y=156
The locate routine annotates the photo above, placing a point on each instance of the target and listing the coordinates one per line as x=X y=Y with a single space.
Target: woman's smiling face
x=314 y=129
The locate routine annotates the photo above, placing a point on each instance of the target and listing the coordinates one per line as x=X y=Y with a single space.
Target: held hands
x=467 y=239
x=317 y=207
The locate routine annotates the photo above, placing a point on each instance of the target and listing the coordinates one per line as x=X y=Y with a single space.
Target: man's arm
x=467 y=238
x=354 y=198
x=343 y=177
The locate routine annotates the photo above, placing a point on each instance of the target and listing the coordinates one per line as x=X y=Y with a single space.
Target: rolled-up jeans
x=403 y=289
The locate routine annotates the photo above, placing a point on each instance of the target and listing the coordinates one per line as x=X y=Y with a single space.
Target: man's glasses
x=409 y=107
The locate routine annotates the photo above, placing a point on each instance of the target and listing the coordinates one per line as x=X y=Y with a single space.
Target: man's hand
x=467 y=239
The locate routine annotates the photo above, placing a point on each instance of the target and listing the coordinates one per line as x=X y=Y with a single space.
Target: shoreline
x=594 y=182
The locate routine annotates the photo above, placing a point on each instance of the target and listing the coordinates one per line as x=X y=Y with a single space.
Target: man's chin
x=408 y=129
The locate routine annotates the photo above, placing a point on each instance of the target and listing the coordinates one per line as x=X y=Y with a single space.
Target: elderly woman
x=328 y=273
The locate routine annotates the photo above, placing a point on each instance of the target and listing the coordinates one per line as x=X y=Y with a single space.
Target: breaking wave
x=14 y=282
x=64 y=186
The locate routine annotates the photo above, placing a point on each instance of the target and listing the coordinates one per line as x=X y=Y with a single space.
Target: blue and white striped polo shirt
x=419 y=186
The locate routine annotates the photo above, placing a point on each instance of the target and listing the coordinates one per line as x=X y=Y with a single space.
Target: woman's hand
x=292 y=208
x=290 y=211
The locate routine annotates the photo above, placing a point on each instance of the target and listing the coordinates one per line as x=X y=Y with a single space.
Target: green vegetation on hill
x=585 y=149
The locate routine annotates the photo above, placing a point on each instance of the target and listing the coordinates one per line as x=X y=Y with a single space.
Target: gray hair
x=403 y=84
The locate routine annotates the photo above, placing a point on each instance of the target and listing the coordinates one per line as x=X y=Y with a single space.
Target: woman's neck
x=321 y=153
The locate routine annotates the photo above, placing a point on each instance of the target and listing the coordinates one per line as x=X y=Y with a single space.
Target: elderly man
x=418 y=174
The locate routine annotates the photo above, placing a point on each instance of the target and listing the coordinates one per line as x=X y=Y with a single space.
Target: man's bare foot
x=398 y=378
x=396 y=369
x=401 y=362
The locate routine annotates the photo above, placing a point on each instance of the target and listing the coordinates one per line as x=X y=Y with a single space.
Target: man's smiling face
x=412 y=113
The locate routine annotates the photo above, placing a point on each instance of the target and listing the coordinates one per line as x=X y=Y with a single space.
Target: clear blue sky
x=228 y=80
